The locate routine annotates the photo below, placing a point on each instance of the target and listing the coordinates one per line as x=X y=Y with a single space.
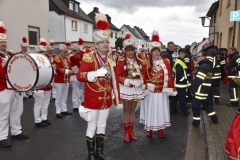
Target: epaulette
x=88 y=57
x=57 y=59
x=143 y=61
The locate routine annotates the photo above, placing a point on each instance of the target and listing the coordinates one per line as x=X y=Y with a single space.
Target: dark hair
x=130 y=48
x=180 y=50
x=150 y=58
x=187 y=47
x=203 y=53
x=171 y=42
x=233 y=49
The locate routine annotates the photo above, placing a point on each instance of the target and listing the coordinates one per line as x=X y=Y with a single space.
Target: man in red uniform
x=11 y=102
x=101 y=87
x=77 y=87
x=62 y=80
x=143 y=55
x=42 y=96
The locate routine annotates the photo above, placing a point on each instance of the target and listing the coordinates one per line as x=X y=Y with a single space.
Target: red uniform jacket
x=143 y=57
x=3 y=81
x=98 y=94
x=122 y=66
x=158 y=78
x=60 y=70
x=75 y=60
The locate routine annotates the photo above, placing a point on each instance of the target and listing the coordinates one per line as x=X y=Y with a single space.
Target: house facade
x=145 y=38
x=32 y=23
x=69 y=21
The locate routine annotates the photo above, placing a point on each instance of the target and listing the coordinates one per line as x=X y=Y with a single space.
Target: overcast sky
x=176 y=20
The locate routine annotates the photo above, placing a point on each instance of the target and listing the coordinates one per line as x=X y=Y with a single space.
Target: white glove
x=135 y=82
x=4 y=61
x=146 y=92
x=100 y=72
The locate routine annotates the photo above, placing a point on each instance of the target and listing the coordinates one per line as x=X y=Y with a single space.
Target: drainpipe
x=234 y=25
x=65 y=28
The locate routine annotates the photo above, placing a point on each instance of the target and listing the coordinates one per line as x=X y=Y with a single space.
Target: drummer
x=42 y=96
x=11 y=102
x=24 y=47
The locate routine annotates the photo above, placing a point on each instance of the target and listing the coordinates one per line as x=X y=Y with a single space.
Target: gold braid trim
x=57 y=59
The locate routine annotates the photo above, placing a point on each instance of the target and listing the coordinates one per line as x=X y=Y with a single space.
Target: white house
x=145 y=38
x=26 y=18
x=137 y=39
x=69 y=21
x=113 y=30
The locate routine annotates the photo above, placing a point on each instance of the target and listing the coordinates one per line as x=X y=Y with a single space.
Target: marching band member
x=77 y=87
x=51 y=56
x=130 y=70
x=24 y=47
x=61 y=80
x=98 y=73
x=11 y=102
x=142 y=54
x=154 y=113
x=42 y=96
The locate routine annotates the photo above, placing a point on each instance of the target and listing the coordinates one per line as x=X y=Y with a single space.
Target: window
x=230 y=34
x=76 y=7
x=115 y=35
x=220 y=12
x=74 y=25
x=71 y=5
x=111 y=35
x=220 y=40
x=33 y=35
x=85 y=28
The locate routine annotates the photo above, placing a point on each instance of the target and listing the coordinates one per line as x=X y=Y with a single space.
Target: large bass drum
x=29 y=71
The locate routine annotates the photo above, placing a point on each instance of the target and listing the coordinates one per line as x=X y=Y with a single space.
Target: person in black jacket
x=233 y=72
x=214 y=57
x=168 y=53
x=200 y=89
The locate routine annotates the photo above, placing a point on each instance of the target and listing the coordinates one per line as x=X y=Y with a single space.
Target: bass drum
x=29 y=71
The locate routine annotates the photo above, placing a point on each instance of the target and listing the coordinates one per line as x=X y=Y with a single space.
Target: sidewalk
x=208 y=141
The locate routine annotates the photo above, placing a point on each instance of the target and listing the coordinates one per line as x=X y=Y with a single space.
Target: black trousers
x=233 y=91
x=181 y=97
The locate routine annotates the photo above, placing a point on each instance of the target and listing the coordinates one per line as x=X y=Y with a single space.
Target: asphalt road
x=65 y=138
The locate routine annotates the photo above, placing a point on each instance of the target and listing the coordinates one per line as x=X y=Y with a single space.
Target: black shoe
x=216 y=100
x=41 y=124
x=48 y=122
x=195 y=125
x=25 y=97
x=53 y=99
x=4 y=143
x=229 y=104
x=185 y=114
x=20 y=136
x=59 y=115
x=75 y=109
x=66 y=113
x=31 y=96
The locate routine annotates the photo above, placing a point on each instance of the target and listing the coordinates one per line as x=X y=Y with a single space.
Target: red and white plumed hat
x=102 y=26
x=3 y=35
x=142 y=49
x=155 y=41
x=113 y=49
x=63 y=48
x=42 y=46
x=78 y=46
x=24 y=42
x=127 y=40
x=68 y=43
x=51 y=45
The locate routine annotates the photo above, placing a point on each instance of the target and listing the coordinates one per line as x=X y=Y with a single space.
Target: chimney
x=95 y=9
x=108 y=18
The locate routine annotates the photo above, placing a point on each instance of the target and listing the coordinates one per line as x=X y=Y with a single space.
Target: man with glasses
x=169 y=52
x=200 y=89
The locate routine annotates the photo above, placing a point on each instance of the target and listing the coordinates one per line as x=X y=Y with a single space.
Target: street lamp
x=203 y=18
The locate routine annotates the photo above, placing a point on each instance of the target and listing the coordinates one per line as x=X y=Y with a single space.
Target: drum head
x=22 y=72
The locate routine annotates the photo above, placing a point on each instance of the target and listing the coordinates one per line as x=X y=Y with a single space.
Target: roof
x=143 y=34
x=80 y=14
x=92 y=16
x=132 y=31
x=212 y=9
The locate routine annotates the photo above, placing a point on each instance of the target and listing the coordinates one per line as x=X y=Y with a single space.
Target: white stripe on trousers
x=40 y=108
x=77 y=93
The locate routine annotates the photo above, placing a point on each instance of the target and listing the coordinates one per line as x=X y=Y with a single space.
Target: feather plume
x=127 y=35
x=68 y=43
x=101 y=21
x=24 y=39
x=155 y=36
x=142 y=45
x=2 y=30
x=80 y=41
x=51 y=42
x=43 y=42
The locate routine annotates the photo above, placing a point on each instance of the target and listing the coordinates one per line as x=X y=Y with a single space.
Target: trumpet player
x=62 y=80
